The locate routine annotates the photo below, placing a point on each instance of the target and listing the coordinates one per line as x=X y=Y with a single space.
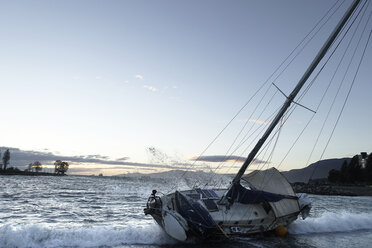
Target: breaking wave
x=41 y=235
x=332 y=222
x=38 y=235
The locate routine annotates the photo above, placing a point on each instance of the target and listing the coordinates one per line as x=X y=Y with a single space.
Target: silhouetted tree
x=334 y=175
x=344 y=173
x=369 y=168
x=6 y=158
x=60 y=167
x=37 y=165
x=355 y=170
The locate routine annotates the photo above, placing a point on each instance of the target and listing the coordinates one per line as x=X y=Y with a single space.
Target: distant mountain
x=296 y=175
x=165 y=174
x=321 y=168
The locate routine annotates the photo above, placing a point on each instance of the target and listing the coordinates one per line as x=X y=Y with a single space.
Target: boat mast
x=295 y=91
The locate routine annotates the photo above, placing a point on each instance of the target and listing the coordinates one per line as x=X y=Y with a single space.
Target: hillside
x=322 y=169
x=295 y=175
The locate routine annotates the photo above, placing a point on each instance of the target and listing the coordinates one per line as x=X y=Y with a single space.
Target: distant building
x=363 y=159
x=1 y=164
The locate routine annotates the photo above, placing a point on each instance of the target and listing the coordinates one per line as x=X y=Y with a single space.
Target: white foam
x=39 y=235
x=332 y=222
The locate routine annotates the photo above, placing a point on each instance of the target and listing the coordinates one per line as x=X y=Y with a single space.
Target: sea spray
x=40 y=235
x=78 y=211
x=332 y=222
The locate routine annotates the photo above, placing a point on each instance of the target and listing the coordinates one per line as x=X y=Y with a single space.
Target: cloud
x=96 y=156
x=151 y=88
x=349 y=155
x=261 y=122
x=218 y=158
x=21 y=158
x=85 y=170
x=222 y=158
x=122 y=159
x=139 y=77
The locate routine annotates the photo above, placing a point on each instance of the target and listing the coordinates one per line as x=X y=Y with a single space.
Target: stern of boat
x=180 y=216
x=154 y=207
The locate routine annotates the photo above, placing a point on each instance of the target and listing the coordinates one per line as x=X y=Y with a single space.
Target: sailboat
x=266 y=204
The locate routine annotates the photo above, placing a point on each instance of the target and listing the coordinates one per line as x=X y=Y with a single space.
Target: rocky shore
x=333 y=189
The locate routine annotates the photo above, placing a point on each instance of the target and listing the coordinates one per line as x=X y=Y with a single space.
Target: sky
x=107 y=80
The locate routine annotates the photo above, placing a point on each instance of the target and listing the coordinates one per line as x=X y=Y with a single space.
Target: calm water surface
x=76 y=211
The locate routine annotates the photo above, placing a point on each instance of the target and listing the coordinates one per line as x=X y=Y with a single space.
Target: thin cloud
x=96 y=156
x=151 y=88
x=77 y=170
x=139 y=77
x=261 y=122
x=218 y=158
x=122 y=159
x=21 y=158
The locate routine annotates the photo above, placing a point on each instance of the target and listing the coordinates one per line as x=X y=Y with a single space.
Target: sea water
x=78 y=211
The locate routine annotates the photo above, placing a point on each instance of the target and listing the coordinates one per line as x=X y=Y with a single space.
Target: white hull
x=230 y=220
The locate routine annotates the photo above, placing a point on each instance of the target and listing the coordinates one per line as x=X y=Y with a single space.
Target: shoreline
x=27 y=173
x=328 y=189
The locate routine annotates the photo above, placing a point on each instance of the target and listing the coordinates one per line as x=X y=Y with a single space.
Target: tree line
x=353 y=172
x=60 y=167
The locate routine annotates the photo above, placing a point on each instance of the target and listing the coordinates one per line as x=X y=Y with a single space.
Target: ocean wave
x=332 y=222
x=39 y=235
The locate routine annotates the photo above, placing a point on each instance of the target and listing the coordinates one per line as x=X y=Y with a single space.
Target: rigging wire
x=308 y=87
x=333 y=76
x=242 y=142
x=268 y=160
x=348 y=94
x=304 y=46
x=264 y=148
x=327 y=89
x=325 y=92
x=291 y=111
x=262 y=127
x=311 y=37
x=245 y=124
x=275 y=71
x=267 y=120
x=284 y=119
x=227 y=155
